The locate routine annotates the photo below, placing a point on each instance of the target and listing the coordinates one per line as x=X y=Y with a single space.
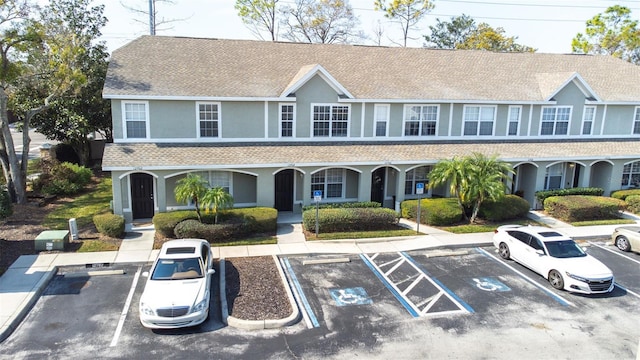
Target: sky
x=546 y=25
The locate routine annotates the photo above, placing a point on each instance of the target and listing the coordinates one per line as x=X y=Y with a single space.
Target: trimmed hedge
x=633 y=203
x=623 y=194
x=109 y=224
x=436 y=212
x=256 y=220
x=508 y=207
x=350 y=219
x=580 y=207
x=63 y=179
x=6 y=208
x=544 y=194
x=363 y=204
x=214 y=233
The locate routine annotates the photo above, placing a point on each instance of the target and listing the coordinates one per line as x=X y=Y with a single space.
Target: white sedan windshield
x=564 y=249
x=171 y=269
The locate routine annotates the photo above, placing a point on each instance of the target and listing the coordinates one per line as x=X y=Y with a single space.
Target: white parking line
x=125 y=310
x=614 y=252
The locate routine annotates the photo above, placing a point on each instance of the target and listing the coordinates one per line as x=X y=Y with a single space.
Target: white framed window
x=479 y=120
x=208 y=119
x=136 y=119
x=414 y=176
x=217 y=178
x=515 y=113
x=381 y=123
x=553 y=177
x=631 y=175
x=330 y=120
x=636 y=122
x=287 y=119
x=330 y=182
x=555 y=120
x=420 y=120
x=588 y=116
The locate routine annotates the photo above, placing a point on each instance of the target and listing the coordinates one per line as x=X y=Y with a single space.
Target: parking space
x=625 y=265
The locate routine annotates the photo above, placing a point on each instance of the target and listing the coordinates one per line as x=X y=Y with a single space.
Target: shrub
x=437 y=212
x=623 y=194
x=255 y=220
x=580 y=207
x=350 y=219
x=6 y=208
x=63 y=179
x=214 y=233
x=542 y=195
x=633 y=203
x=508 y=207
x=109 y=224
x=363 y=204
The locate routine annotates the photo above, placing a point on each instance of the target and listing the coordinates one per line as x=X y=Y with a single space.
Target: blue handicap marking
x=350 y=296
x=488 y=284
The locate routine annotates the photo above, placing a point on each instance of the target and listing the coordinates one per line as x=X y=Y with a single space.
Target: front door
x=142 y=196
x=377 y=186
x=284 y=190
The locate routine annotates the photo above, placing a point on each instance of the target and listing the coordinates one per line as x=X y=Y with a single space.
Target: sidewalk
x=26 y=279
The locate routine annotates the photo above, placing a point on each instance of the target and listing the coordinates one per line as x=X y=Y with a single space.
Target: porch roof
x=167 y=156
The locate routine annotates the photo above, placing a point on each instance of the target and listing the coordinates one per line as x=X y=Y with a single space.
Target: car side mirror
x=145 y=274
x=211 y=271
x=540 y=252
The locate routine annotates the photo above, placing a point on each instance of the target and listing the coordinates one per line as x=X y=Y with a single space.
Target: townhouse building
x=272 y=122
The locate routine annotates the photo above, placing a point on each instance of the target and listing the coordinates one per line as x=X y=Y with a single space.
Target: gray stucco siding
x=172 y=119
x=242 y=119
x=314 y=91
x=619 y=120
x=244 y=188
x=571 y=95
x=116 y=119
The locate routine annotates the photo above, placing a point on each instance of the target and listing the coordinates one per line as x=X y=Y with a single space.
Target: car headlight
x=200 y=306
x=579 y=278
x=146 y=309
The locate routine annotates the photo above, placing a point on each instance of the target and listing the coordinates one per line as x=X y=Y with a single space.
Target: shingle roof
x=195 y=67
x=186 y=156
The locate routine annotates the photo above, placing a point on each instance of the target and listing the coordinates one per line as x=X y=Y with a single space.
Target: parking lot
x=446 y=303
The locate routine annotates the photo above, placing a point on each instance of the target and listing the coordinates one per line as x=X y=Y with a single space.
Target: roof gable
x=552 y=83
x=306 y=73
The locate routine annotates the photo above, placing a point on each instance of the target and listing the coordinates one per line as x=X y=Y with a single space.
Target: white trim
x=313 y=137
x=134 y=97
x=604 y=119
x=136 y=171
x=450 y=119
x=454 y=101
x=582 y=85
x=219 y=110
x=362 y=120
x=531 y=119
x=266 y=119
x=601 y=160
x=190 y=170
x=324 y=74
x=627 y=103
x=124 y=119
x=479 y=106
x=325 y=167
x=343 y=183
x=376 y=110
x=636 y=114
x=405 y=120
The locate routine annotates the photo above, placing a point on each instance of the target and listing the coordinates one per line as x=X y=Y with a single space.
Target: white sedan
x=177 y=291
x=555 y=256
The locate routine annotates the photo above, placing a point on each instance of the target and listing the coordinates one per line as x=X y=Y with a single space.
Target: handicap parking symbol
x=488 y=284
x=350 y=296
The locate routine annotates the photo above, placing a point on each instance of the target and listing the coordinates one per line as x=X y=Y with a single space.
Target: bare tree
x=259 y=16
x=406 y=12
x=321 y=21
x=150 y=11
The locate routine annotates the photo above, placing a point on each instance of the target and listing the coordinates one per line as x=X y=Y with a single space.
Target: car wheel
x=503 y=250
x=622 y=243
x=555 y=279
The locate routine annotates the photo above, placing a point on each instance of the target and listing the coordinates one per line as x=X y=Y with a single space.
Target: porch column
x=116 y=192
x=306 y=189
x=541 y=172
x=585 y=177
x=402 y=176
x=161 y=192
x=265 y=185
x=364 y=185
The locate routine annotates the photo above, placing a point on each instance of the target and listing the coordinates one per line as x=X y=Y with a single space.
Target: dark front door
x=142 y=196
x=284 y=190
x=377 y=186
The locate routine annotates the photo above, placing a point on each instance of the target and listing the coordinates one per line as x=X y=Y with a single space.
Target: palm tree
x=452 y=172
x=191 y=188
x=485 y=180
x=216 y=199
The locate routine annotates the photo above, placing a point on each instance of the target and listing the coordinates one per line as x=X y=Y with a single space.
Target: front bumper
x=589 y=286
x=160 y=322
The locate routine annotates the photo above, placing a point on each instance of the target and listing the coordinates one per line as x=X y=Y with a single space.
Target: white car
x=555 y=256
x=177 y=291
x=627 y=238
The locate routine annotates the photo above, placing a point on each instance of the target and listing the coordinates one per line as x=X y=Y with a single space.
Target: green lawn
x=361 y=234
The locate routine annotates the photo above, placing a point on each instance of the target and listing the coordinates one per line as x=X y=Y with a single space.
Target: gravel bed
x=255 y=290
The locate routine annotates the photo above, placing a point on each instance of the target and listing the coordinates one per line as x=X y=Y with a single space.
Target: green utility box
x=52 y=240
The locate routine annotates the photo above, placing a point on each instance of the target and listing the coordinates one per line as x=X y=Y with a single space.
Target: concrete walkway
x=24 y=281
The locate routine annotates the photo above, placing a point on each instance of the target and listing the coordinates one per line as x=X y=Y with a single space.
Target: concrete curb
x=267 y=323
x=223 y=292
x=28 y=302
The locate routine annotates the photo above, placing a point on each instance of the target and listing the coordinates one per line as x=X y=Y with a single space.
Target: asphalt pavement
x=26 y=279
